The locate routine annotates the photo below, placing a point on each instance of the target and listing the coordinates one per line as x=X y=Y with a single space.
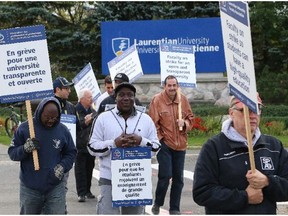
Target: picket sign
x=179 y=107
x=32 y=133
x=249 y=138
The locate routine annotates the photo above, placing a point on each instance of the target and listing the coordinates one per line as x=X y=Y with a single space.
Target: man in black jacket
x=119 y=78
x=62 y=89
x=85 y=162
x=223 y=181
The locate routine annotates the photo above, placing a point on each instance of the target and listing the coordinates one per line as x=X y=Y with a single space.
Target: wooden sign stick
x=32 y=133
x=249 y=138
x=179 y=107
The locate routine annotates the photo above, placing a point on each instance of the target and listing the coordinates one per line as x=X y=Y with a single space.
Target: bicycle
x=14 y=120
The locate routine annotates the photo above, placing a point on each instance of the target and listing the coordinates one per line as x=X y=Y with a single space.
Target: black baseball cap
x=125 y=85
x=121 y=77
x=62 y=82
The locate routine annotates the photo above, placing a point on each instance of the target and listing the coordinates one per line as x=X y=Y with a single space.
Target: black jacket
x=219 y=179
x=66 y=107
x=82 y=130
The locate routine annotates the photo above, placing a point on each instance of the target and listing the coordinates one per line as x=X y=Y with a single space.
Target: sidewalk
x=9 y=187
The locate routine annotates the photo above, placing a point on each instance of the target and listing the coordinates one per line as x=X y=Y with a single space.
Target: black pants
x=84 y=165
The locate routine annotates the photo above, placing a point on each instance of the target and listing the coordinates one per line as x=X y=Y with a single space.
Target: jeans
x=35 y=202
x=171 y=165
x=104 y=204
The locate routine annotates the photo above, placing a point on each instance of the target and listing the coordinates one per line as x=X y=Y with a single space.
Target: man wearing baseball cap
x=223 y=180
x=121 y=127
x=62 y=90
x=119 y=78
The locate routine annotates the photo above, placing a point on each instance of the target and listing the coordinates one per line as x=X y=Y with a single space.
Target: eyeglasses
x=49 y=118
x=250 y=111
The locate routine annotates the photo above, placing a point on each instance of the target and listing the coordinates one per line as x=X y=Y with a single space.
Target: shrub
x=2 y=126
x=206 y=126
x=209 y=110
x=276 y=128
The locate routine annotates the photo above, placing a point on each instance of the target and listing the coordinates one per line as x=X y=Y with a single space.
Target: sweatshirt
x=56 y=147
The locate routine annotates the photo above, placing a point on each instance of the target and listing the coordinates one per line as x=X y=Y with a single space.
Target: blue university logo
x=1 y=37
x=119 y=45
x=116 y=154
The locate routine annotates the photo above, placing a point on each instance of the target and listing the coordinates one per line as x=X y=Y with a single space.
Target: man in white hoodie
x=120 y=127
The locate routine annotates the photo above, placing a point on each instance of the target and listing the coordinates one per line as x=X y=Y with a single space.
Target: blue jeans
x=35 y=202
x=171 y=165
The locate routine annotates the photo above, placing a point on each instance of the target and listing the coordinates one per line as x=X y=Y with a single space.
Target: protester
x=163 y=110
x=121 y=127
x=62 y=89
x=43 y=191
x=223 y=180
x=84 y=163
x=119 y=78
x=109 y=91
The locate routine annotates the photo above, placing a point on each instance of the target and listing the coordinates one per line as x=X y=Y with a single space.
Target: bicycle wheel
x=10 y=126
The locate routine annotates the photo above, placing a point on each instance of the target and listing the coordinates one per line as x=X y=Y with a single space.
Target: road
x=9 y=187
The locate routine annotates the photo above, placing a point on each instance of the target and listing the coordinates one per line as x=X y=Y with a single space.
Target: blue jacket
x=56 y=147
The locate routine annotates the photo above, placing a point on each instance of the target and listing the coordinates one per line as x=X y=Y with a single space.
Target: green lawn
x=198 y=141
x=5 y=140
x=194 y=142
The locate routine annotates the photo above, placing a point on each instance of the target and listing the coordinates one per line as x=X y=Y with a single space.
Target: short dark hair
x=170 y=77
x=108 y=79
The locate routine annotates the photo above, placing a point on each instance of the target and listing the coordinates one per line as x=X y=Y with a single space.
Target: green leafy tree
x=74 y=34
x=270 y=40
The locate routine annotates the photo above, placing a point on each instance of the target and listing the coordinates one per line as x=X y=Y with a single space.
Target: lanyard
x=124 y=131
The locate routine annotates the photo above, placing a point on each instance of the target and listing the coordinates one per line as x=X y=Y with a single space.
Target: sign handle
x=32 y=133
x=249 y=138
x=179 y=107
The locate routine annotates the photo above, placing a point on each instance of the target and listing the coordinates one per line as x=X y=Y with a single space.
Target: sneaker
x=174 y=212
x=81 y=199
x=90 y=195
x=155 y=209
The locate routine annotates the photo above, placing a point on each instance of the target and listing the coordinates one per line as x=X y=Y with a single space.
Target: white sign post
x=70 y=122
x=238 y=52
x=25 y=70
x=239 y=61
x=86 y=79
x=24 y=64
x=128 y=63
x=179 y=61
x=131 y=176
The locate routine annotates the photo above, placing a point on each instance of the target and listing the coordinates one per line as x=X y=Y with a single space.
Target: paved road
x=9 y=187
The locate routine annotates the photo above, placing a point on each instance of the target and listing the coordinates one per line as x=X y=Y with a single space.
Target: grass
x=198 y=141
x=5 y=139
x=193 y=142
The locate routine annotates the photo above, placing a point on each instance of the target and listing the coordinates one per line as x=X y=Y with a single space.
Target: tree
x=270 y=40
x=74 y=32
